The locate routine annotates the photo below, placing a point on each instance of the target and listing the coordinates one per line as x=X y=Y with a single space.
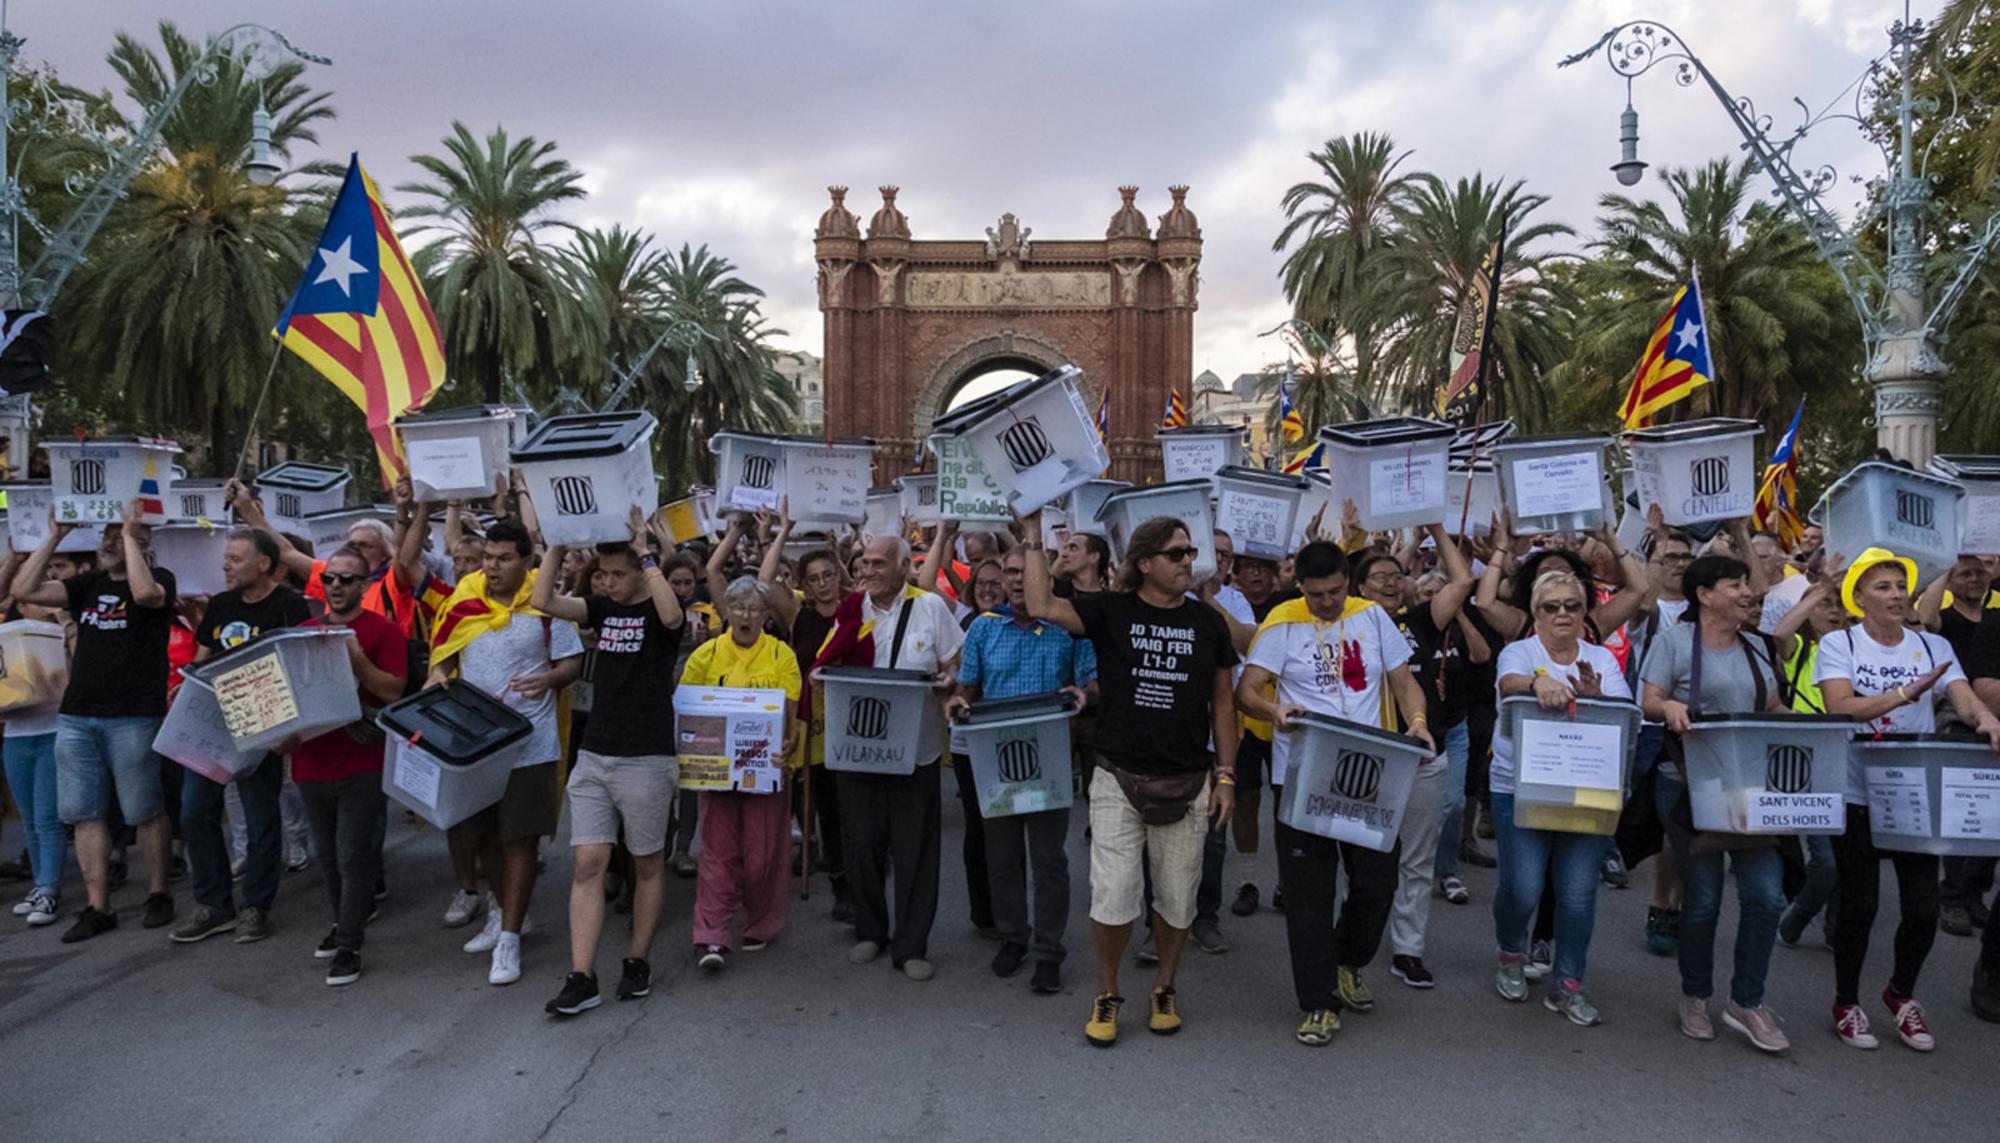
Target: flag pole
x=250 y=430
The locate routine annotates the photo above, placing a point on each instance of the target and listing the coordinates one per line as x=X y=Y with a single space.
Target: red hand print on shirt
x=1353 y=674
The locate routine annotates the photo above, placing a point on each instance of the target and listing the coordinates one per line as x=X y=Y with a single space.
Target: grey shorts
x=605 y=790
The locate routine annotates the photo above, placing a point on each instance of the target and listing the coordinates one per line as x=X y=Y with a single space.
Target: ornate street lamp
x=1901 y=335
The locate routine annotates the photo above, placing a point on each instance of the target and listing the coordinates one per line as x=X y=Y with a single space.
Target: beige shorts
x=1119 y=841
x=605 y=790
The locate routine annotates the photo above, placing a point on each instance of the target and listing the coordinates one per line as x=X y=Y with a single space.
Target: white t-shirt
x=498 y=657
x=1524 y=657
x=931 y=640
x=1874 y=669
x=1335 y=668
x=1781 y=599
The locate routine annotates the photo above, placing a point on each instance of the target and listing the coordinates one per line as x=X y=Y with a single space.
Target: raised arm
x=146 y=590
x=251 y=514
x=1040 y=588
x=938 y=558
x=31 y=583
x=666 y=604
x=1930 y=606
x=412 y=524
x=1458 y=583
x=1787 y=634
x=718 y=559
x=544 y=597
x=1612 y=613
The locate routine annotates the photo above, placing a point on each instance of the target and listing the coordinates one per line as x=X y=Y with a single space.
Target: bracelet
x=1225 y=778
x=1903 y=692
x=1420 y=720
x=648 y=563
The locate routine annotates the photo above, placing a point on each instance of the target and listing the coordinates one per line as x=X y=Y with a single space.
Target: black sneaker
x=1411 y=971
x=579 y=994
x=1954 y=919
x=89 y=923
x=1278 y=898
x=1613 y=872
x=345 y=969
x=159 y=912
x=252 y=925
x=637 y=979
x=1047 y=979
x=1246 y=900
x=327 y=948
x=1009 y=959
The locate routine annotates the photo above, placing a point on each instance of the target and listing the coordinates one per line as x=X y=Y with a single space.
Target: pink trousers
x=746 y=866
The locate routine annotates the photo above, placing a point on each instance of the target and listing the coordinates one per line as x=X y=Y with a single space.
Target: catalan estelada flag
x=1291 y=426
x=1176 y=415
x=1305 y=458
x=360 y=317
x=1676 y=361
x=1777 y=507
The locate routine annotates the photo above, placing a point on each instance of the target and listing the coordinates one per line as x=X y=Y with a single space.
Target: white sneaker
x=464 y=906
x=506 y=960
x=43 y=909
x=25 y=905
x=488 y=936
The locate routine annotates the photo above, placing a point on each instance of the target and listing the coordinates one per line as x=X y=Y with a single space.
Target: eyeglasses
x=823 y=577
x=1385 y=578
x=1560 y=607
x=329 y=579
x=1674 y=558
x=1178 y=554
x=1223 y=556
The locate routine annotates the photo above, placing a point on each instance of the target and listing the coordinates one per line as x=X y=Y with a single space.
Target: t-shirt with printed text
x=1156 y=678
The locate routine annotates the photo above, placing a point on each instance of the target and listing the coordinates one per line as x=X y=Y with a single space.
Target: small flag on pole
x=1176 y=414
x=1778 y=493
x=1307 y=457
x=360 y=317
x=1291 y=426
x=1676 y=362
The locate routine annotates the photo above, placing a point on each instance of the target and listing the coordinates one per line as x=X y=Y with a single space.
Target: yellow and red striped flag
x=360 y=317
x=1175 y=416
x=1676 y=362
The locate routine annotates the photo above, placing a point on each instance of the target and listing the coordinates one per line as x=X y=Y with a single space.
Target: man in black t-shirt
x=1166 y=691
x=111 y=710
x=625 y=772
x=255 y=604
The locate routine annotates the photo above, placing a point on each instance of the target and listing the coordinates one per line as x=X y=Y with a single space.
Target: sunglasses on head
x=1560 y=607
x=1178 y=554
x=329 y=579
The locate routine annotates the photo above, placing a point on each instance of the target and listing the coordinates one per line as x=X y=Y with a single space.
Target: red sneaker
x=1910 y=1021
x=1852 y=1024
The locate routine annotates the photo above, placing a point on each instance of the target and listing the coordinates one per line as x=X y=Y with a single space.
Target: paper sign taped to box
x=730 y=738
x=255 y=697
x=447 y=462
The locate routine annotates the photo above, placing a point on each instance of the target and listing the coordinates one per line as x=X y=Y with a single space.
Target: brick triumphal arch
x=908 y=322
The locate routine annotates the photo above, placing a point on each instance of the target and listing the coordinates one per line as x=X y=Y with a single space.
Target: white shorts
x=1120 y=840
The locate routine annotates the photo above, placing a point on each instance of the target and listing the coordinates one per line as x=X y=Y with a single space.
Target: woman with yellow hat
x=1880 y=672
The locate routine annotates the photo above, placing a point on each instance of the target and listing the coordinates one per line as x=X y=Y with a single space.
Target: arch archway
x=908 y=323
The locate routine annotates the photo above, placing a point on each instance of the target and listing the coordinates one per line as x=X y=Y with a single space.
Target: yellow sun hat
x=1873 y=557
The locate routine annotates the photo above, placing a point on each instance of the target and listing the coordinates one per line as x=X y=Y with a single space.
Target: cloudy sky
x=723 y=122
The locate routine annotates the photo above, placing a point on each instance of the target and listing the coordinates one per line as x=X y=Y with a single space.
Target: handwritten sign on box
x=256 y=697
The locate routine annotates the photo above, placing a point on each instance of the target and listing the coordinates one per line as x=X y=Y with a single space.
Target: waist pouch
x=1161 y=799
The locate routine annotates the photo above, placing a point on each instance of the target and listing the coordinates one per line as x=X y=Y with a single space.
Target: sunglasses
x=1177 y=554
x=1561 y=607
x=330 y=579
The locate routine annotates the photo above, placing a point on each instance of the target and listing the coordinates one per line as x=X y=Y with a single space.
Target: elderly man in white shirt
x=891 y=822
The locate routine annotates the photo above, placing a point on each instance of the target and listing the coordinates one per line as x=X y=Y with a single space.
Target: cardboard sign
x=730 y=738
x=965 y=490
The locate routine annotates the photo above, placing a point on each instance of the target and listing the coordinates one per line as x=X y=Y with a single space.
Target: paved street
x=130 y=1036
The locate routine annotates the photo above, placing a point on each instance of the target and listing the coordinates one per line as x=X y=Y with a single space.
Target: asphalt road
x=130 y=1036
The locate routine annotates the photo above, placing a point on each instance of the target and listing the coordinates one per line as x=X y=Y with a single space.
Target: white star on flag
x=338 y=266
x=1690 y=336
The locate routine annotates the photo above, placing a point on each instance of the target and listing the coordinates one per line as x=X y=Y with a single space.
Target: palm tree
x=739 y=386
x=1964 y=35
x=174 y=308
x=1341 y=224
x=615 y=277
x=1777 y=325
x=497 y=289
x=1443 y=233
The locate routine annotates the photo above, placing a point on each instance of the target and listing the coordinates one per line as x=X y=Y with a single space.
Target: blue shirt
x=1007 y=660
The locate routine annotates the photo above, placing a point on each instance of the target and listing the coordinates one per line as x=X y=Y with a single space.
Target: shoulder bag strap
x=902 y=625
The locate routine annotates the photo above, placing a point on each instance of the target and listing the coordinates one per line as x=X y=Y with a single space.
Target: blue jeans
x=95 y=753
x=1820 y=877
x=1457 y=743
x=1760 y=898
x=208 y=852
x=31 y=774
x=1527 y=856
